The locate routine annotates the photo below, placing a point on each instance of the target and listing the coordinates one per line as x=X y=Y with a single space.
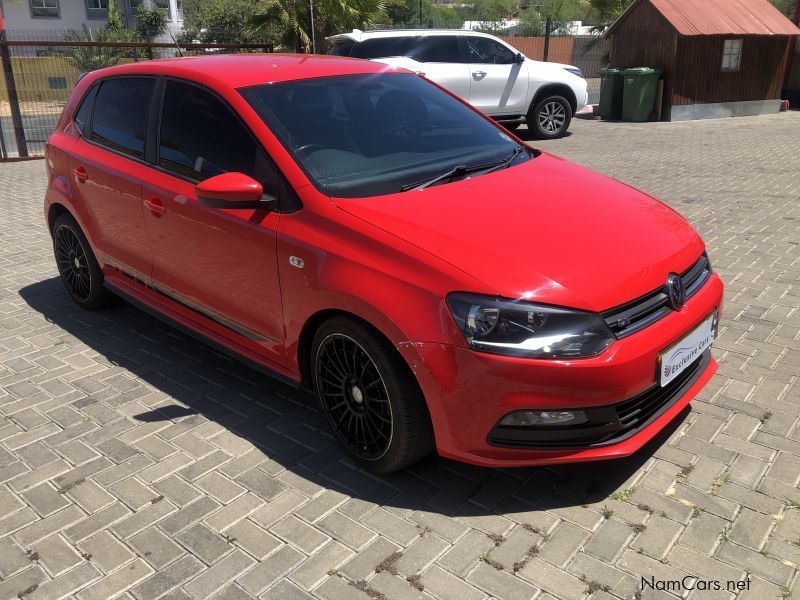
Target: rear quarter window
x=341 y=48
x=81 y=117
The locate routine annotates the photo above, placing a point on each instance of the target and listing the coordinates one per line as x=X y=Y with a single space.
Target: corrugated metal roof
x=720 y=17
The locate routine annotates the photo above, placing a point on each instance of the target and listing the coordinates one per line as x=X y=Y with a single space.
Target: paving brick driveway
x=136 y=461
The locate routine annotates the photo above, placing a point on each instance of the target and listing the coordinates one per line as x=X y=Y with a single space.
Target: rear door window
x=119 y=121
x=436 y=49
x=383 y=47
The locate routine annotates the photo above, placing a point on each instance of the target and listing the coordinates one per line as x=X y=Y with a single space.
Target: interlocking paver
x=55 y=555
x=105 y=551
x=155 y=547
x=204 y=543
x=328 y=558
x=183 y=473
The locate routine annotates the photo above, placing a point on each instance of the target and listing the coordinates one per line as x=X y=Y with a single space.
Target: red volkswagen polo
x=360 y=232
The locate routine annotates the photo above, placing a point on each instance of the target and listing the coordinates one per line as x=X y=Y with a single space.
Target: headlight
x=518 y=328
x=575 y=71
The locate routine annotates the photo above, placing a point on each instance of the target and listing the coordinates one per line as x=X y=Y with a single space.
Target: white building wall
x=18 y=16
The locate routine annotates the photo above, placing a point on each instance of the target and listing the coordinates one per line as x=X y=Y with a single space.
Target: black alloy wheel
x=72 y=263
x=80 y=273
x=369 y=395
x=354 y=396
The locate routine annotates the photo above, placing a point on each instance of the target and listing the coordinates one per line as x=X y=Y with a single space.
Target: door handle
x=156 y=207
x=479 y=73
x=421 y=73
x=80 y=174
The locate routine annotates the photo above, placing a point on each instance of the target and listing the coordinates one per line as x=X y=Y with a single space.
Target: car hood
x=546 y=230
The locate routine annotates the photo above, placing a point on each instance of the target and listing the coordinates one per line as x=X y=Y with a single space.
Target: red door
x=220 y=263
x=105 y=174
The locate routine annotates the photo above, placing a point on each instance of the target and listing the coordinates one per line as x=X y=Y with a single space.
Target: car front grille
x=606 y=425
x=634 y=316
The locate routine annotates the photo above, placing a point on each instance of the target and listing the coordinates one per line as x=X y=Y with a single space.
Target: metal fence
x=588 y=53
x=38 y=75
x=40 y=69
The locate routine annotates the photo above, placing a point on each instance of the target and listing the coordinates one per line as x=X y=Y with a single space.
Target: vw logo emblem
x=675 y=291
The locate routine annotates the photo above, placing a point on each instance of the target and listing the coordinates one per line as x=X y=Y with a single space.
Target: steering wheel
x=308 y=148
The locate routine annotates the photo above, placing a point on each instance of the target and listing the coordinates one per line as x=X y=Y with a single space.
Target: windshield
x=375 y=134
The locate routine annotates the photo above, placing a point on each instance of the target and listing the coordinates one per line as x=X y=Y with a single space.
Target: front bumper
x=469 y=392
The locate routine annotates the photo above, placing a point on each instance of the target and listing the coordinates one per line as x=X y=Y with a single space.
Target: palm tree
x=292 y=18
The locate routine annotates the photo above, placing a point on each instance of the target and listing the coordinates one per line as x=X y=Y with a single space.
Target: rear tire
x=80 y=273
x=550 y=118
x=370 y=397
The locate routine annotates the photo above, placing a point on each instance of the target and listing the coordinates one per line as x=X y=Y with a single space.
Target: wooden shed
x=720 y=57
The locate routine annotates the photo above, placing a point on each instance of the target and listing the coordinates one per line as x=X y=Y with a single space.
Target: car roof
x=359 y=36
x=241 y=70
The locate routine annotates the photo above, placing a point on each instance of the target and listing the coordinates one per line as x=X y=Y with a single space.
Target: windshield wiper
x=460 y=170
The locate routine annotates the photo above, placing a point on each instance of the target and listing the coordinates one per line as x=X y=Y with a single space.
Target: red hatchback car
x=359 y=231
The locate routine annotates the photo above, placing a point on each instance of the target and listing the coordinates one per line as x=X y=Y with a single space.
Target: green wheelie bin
x=611 y=94
x=640 y=86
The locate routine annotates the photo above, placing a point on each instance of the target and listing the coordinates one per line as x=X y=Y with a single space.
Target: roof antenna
x=174 y=41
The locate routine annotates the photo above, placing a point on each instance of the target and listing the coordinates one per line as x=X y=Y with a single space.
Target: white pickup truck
x=483 y=70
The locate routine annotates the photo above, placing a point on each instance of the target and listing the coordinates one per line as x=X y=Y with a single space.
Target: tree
x=90 y=58
x=224 y=22
x=402 y=13
x=442 y=16
x=560 y=12
x=114 y=21
x=491 y=14
x=292 y=19
x=150 y=23
x=785 y=6
x=604 y=12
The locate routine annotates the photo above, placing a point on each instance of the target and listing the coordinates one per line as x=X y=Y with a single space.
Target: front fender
x=331 y=260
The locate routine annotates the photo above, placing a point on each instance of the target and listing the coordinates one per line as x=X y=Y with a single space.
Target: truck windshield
x=375 y=134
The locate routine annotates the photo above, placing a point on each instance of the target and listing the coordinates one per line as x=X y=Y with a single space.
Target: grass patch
x=389 y=564
x=622 y=495
x=718 y=482
x=487 y=558
x=69 y=486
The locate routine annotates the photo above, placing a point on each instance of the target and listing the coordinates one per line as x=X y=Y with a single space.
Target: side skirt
x=240 y=355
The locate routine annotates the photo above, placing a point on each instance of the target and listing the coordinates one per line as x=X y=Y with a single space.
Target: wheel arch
x=56 y=210
x=309 y=330
x=555 y=89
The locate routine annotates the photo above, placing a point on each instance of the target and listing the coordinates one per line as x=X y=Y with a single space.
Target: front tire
x=550 y=118
x=80 y=273
x=369 y=396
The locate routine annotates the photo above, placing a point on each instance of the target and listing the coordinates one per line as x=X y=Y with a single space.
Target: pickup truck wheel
x=550 y=118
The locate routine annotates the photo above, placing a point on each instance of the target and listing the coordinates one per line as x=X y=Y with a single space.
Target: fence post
x=13 y=99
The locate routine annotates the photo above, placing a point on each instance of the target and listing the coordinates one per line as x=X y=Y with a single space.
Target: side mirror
x=233 y=190
x=519 y=58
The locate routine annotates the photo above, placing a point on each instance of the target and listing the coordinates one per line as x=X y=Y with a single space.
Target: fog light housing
x=544 y=418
